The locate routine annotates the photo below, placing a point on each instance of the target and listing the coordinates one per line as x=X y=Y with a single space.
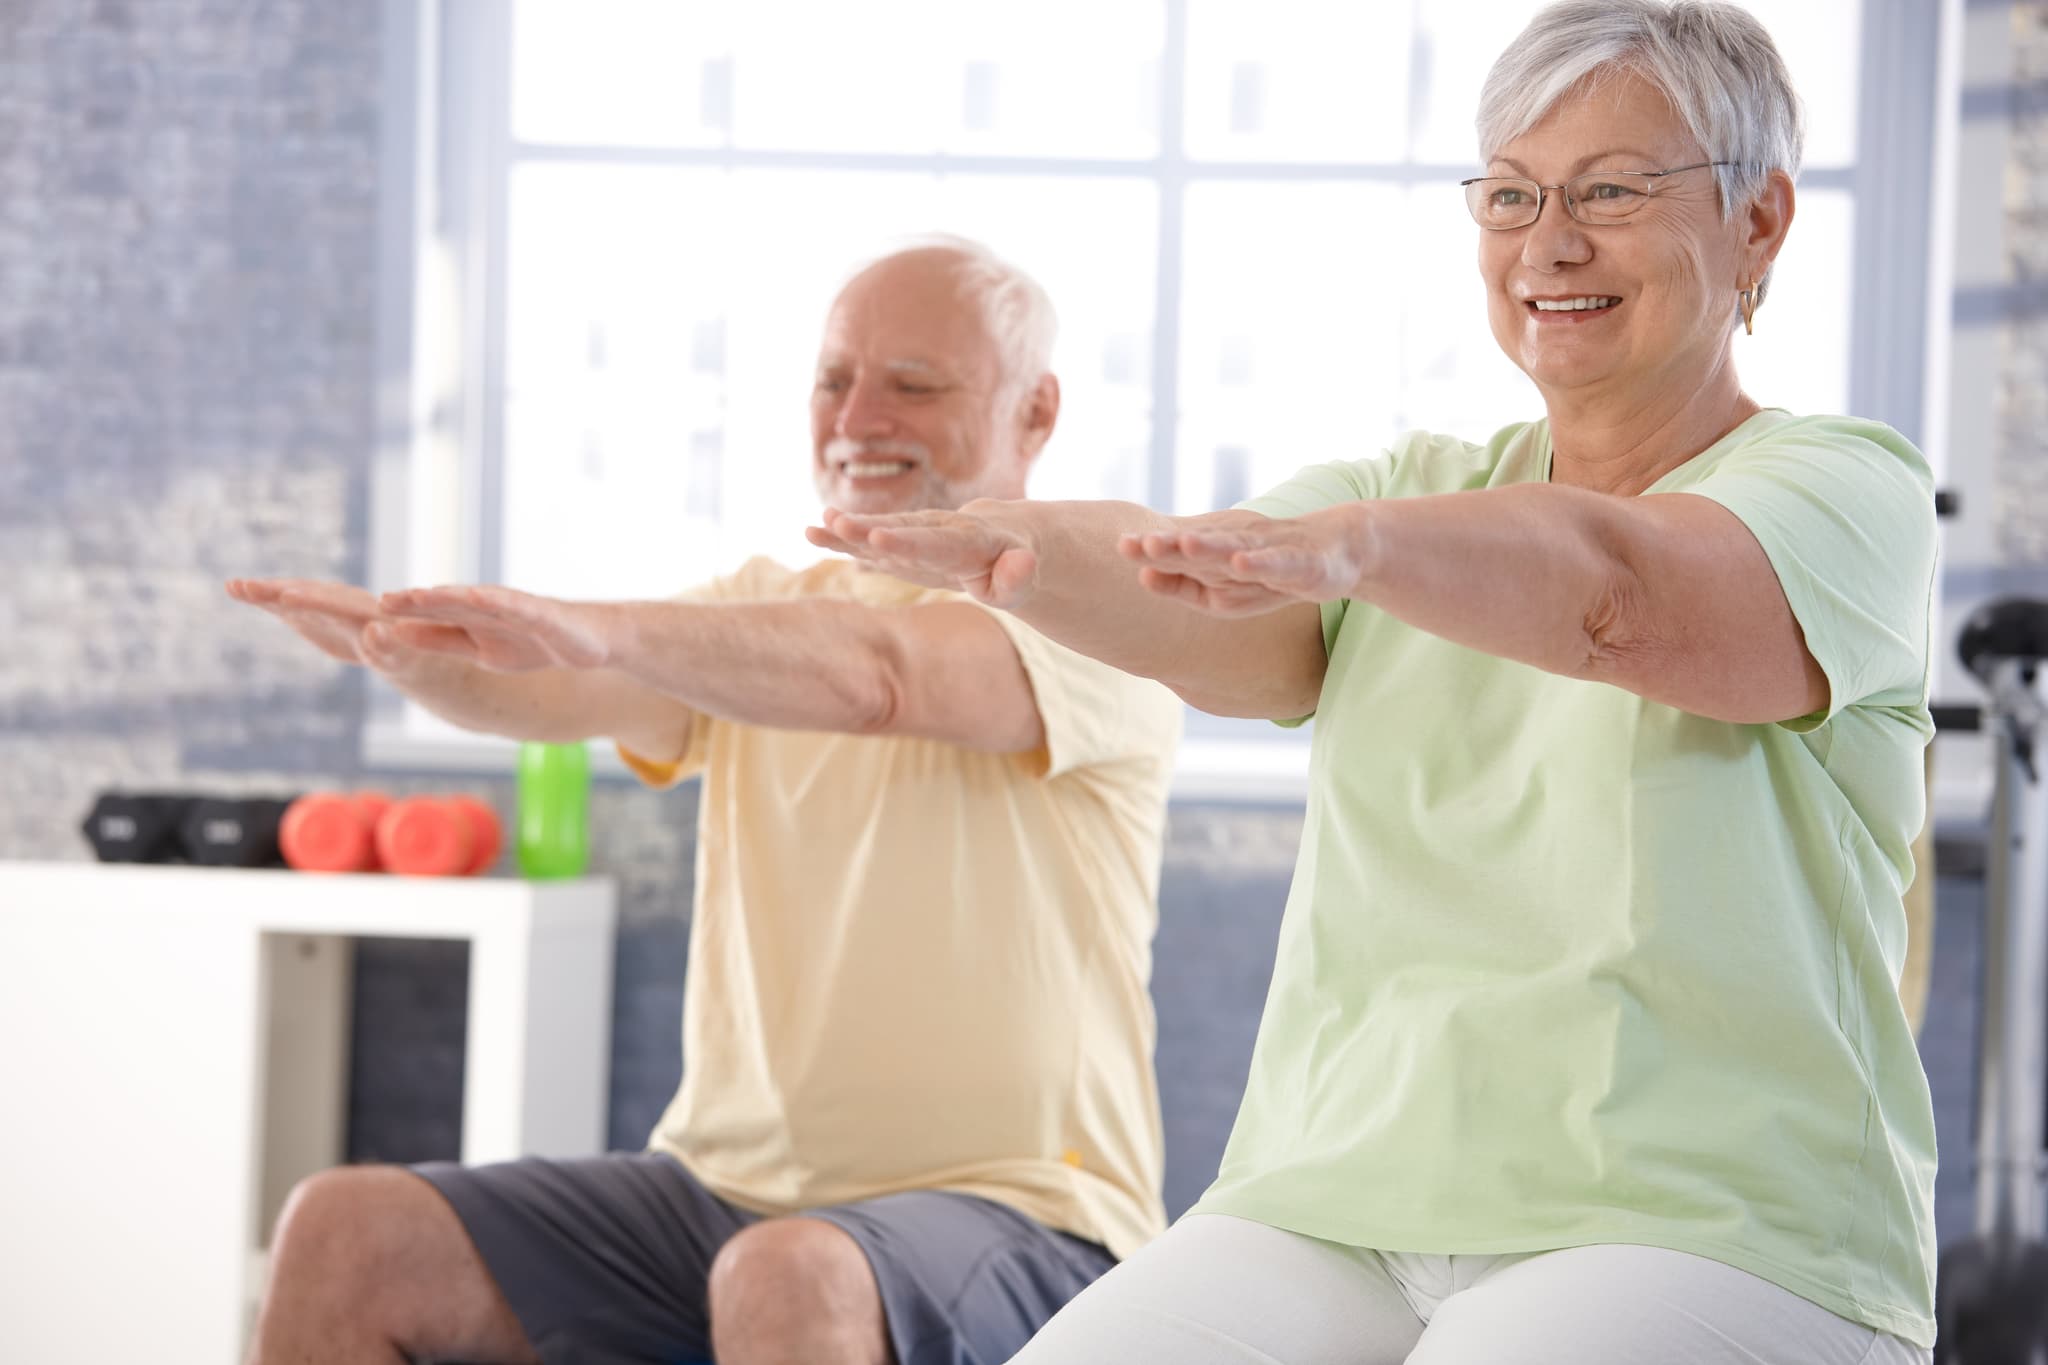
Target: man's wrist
x=620 y=631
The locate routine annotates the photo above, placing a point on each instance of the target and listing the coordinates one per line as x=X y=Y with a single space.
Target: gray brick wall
x=187 y=226
x=187 y=219
x=2021 y=525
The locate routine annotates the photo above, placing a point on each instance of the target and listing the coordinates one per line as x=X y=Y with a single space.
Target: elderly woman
x=1583 y=1043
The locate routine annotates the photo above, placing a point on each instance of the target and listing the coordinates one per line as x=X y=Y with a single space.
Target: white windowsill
x=1208 y=769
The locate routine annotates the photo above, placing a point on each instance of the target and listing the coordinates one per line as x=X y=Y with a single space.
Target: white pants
x=1223 y=1291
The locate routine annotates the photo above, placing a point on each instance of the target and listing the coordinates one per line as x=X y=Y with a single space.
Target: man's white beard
x=932 y=492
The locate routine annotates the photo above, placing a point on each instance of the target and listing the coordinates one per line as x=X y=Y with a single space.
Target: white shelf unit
x=174 y=1056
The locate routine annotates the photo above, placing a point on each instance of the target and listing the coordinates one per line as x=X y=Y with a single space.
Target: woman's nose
x=1555 y=238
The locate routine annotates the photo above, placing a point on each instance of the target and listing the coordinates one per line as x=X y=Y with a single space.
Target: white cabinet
x=173 y=1056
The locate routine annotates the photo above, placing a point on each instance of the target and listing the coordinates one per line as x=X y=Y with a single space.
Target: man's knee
x=379 y=1249
x=345 y=1223
x=785 y=1263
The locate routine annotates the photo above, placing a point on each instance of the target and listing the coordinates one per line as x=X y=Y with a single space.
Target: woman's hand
x=503 y=630
x=986 y=549
x=1244 y=564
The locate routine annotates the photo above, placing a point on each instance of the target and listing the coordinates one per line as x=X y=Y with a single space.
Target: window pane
x=1287 y=357
x=1297 y=80
x=632 y=73
x=1799 y=357
x=663 y=323
x=1454 y=49
x=1455 y=46
x=1454 y=377
x=1068 y=78
x=1074 y=78
x=1322 y=352
x=1822 y=43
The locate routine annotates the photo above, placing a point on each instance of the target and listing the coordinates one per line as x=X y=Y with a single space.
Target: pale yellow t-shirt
x=918 y=966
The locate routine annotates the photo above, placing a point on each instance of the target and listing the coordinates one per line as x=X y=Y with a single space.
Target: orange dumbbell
x=487 y=834
x=438 y=836
x=332 y=831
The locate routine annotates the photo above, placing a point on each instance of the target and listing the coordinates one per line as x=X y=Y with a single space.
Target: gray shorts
x=604 y=1260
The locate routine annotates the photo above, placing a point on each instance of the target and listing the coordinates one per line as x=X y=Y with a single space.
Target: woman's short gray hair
x=1713 y=61
x=1018 y=311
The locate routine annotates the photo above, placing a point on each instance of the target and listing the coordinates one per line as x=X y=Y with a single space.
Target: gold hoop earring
x=1749 y=302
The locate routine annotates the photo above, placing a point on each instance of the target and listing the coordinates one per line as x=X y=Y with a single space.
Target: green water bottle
x=554 y=806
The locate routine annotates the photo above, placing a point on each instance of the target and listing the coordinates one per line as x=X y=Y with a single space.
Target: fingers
x=962 y=550
x=261 y=592
x=380 y=649
x=310 y=592
x=1178 y=587
x=493 y=614
x=328 y=599
x=1280 y=565
x=466 y=604
x=1263 y=556
x=854 y=526
x=387 y=643
x=500 y=628
x=892 y=533
x=1225 y=600
x=1011 y=578
x=1180 y=553
x=491 y=626
x=826 y=540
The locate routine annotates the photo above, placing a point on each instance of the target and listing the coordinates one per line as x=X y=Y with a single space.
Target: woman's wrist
x=1362 y=534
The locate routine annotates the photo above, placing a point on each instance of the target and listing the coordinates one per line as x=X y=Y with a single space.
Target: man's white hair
x=1018 y=312
x=1713 y=61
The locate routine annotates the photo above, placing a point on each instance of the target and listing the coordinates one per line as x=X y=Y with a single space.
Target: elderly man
x=918 y=1112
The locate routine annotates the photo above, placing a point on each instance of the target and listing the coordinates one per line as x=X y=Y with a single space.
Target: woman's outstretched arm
x=1068 y=568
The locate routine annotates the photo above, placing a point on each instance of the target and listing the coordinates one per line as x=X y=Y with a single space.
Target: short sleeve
x=758 y=578
x=1311 y=490
x=1093 y=714
x=1845 y=512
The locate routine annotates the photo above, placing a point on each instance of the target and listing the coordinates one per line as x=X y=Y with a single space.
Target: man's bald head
x=933 y=382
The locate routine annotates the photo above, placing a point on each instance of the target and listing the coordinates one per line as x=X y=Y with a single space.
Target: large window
x=631 y=215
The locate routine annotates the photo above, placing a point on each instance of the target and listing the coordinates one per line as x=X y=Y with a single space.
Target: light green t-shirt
x=1563 y=966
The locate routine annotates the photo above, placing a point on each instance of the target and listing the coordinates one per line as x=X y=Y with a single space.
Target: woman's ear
x=1766 y=222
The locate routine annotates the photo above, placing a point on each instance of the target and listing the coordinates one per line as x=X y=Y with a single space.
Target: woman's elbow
x=1255 y=703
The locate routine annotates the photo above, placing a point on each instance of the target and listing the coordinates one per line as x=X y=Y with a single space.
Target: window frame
x=436 y=487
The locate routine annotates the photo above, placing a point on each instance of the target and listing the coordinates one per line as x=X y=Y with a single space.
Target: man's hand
x=986 y=549
x=1243 y=564
x=503 y=630
x=341 y=621
x=486 y=659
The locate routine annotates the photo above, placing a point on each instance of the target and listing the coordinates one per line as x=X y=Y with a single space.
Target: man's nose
x=865 y=411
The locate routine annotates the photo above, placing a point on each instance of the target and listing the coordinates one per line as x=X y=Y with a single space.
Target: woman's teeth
x=1573 y=305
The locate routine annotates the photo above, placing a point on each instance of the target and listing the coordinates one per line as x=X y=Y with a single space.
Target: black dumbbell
x=237 y=833
x=136 y=828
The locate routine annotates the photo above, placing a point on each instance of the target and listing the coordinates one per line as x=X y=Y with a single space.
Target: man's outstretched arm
x=552 y=705
x=944 y=671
